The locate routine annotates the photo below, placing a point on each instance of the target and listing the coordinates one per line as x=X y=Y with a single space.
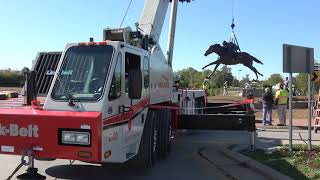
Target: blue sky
x=28 y=27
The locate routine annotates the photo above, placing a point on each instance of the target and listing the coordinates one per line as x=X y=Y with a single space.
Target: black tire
x=165 y=133
x=144 y=158
x=156 y=143
x=169 y=133
x=162 y=130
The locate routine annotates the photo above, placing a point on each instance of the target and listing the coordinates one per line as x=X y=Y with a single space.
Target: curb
x=281 y=127
x=256 y=166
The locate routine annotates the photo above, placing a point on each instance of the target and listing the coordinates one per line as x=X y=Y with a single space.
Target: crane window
x=83 y=73
x=132 y=61
x=115 y=88
x=146 y=72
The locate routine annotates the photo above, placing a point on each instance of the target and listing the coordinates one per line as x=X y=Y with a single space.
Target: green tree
x=10 y=78
x=25 y=70
x=274 y=79
x=244 y=80
x=301 y=82
x=191 y=78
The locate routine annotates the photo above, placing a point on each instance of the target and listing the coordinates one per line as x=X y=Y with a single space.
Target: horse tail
x=252 y=57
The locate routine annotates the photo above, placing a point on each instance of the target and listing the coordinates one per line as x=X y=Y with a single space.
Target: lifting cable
x=125 y=14
x=234 y=37
x=233 y=34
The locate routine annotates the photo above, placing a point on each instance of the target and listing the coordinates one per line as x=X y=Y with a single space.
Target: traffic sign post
x=297 y=59
x=309 y=112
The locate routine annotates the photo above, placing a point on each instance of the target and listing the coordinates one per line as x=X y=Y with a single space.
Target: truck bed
x=18 y=102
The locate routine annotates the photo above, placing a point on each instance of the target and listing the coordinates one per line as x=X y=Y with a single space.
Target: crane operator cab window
x=83 y=73
x=115 y=88
x=132 y=61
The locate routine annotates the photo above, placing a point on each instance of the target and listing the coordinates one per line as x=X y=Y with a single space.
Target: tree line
x=189 y=78
x=12 y=78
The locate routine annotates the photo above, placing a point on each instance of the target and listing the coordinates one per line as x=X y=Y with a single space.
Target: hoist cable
x=126 y=13
x=233 y=36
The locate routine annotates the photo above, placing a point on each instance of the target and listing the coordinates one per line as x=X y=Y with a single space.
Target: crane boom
x=152 y=18
x=172 y=29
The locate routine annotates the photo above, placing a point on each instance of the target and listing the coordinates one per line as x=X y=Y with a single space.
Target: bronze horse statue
x=231 y=59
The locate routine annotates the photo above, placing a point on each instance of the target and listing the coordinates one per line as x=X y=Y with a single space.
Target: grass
x=301 y=164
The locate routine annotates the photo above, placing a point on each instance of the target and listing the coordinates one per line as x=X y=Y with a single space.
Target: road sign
x=315 y=76
x=297 y=59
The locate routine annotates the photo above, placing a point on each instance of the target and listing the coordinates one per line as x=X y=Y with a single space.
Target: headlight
x=68 y=137
x=82 y=138
x=78 y=138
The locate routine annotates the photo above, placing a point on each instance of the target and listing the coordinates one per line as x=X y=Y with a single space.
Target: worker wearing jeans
x=281 y=102
x=267 y=101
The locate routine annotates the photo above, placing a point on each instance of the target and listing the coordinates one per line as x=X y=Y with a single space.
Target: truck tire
x=165 y=139
x=168 y=148
x=144 y=159
x=156 y=141
x=162 y=125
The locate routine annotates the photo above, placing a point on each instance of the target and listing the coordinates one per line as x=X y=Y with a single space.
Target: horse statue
x=231 y=59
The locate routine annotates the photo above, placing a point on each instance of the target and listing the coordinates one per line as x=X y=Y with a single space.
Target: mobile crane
x=106 y=102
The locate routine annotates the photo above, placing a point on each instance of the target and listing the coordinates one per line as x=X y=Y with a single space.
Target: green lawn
x=302 y=164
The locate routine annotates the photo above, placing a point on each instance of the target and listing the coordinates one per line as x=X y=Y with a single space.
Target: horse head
x=216 y=48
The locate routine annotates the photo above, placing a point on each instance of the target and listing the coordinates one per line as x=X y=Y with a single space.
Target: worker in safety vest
x=206 y=85
x=281 y=103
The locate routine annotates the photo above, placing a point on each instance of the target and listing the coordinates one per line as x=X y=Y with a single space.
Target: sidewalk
x=297 y=124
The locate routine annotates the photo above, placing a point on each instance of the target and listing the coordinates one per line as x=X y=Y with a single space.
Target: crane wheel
x=156 y=140
x=165 y=141
x=145 y=157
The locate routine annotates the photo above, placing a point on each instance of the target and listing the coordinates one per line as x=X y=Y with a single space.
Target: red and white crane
x=108 y=101
x=103 y=102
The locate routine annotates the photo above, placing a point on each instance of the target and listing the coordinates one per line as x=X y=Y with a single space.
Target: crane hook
x=232 y=24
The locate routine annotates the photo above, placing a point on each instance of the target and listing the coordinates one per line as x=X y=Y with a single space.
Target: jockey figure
x=230 y=47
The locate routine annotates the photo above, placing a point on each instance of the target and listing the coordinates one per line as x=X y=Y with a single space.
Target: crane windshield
x=83 y=73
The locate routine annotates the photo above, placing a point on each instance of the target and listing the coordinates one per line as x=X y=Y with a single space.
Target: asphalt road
x=195 y=155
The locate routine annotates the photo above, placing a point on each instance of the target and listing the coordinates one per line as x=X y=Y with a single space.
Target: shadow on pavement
x=86 y=171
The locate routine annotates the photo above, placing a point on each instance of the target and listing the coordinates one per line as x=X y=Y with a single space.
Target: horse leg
x=214 y=62
x=213 y=71
x=255 y=71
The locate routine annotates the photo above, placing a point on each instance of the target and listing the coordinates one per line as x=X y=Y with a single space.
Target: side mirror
x=135 y=84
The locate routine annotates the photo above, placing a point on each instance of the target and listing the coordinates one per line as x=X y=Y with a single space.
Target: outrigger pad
x=31 y=174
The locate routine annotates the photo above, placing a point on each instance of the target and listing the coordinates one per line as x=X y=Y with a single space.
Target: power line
x=126 y=13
